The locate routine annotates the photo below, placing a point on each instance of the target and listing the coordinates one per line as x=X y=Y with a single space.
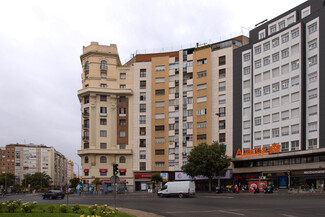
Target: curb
x=137 y=213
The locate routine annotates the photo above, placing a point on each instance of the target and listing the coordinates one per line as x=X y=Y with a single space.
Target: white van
x=180 y=189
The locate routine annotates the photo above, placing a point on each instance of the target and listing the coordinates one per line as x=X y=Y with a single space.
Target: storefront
x=305 y=179
x=143 y=181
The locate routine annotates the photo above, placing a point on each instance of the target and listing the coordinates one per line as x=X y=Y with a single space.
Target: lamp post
x=218 y=114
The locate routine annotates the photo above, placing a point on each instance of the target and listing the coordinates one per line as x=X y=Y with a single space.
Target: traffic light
x=115 y=169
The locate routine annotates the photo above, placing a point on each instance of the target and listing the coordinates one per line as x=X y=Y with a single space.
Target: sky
x=41 y=43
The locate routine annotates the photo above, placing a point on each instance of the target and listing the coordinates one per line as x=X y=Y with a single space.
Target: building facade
x=20 y=160
x=278 y=115
x=173 y=102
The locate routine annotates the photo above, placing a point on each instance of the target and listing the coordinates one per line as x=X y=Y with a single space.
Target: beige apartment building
x=173 y=102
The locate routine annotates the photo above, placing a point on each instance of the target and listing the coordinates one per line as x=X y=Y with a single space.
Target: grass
x=39 y=209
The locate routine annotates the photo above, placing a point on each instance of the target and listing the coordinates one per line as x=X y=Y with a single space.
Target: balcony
x=102 y=114
x=85 y=126
x=85 y=138
x=85 y=114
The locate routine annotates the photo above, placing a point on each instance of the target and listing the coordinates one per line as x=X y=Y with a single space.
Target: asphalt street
x=204 y=204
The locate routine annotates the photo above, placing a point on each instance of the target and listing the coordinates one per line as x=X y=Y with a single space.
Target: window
x=258 y=64
x=285 y=69
x=122 y=112
x=159 y=151
x=275 y=117
x=159 y=164
x=142 y=107
x=275 y=42
x=261 y=34
x=258 y=121
x=103 y=98
x=312 y=28
x=295 y=80
x=266 y=104
x=103 y=145
x=247 y=138
x=275 y=72
x=247 y=84
x=275 y=132
x=295 y=129
x=285 y=84
x=266 y=61
x=285 y=38
x=272 y=29
x=143 y=73
x=142 y=143
x=295 y=97
x=122 y=86
x=266 y=134
x=258 y=135
x=222 y=112
x=86 y=160
x=142 y=165
x=258 y=78
x=258 y=106
x=103 y=85
x=312 y=44
x=285 y=115
x=142 y=119
x=86 y=99
x=103 y=133
x=312 y=110
x=258 y=92
x=295 y=65
x=285 y=100
x=295 y=113
x=258 y=49
x=295 y=49
x=275 y=102
x=281 y=25
x=201 y=124
x=222 y=125
x=86 y=145
x=122 y=159
x=122 y=134
x=160 y=68
x=160 y=104
x=266 y=90
x=142 y=96
x=247 y=57
x=312 y=143
x=122 y=76
x=86 y=67
x=201 y=137
x=295 y=33
x=202 y=61
x=103 y=121
x=160 y=116
x=285 y=53
x=247 y=124
x=201 y=112
x=103 y=159
x=160 y=128
x=160 y=80
x=247 y=97
x=312 y=61
x=312 y=94
x=222 y=99
x=142 y=154
x=201 y=74
x=222 y=73
x=222 y=60
x=222 y=86
x=312 y=127
x=312 y=77
x=159 y=140
x=247 y=70
x=122 y=122
x=266 y=46
x=142 y=131
x=103 y=74
x=275 y=87
x=294 y=145
x=143 y=84
x=275 y=57
x=202 y=99
x=202 y=86
x=284 y=146
x=103 y=65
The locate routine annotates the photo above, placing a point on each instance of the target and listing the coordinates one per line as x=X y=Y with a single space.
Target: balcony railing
x=85 y=137
x=85 y=126
x=85 y=114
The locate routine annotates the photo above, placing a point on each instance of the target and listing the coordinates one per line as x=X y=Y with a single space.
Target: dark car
x=53 y=194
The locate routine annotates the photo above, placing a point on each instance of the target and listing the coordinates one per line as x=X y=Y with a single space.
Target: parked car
x=53 y=194
x=180 y=189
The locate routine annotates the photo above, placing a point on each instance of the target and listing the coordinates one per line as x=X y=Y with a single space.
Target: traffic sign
x=115 y=179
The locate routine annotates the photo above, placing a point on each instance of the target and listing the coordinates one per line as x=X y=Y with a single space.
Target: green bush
x=51 y=208
x=92 y=209
x=76 y=208
x=12 y=206
x=63 y=208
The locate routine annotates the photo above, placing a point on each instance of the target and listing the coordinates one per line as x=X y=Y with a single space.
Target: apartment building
x=171 y=102
x=106 y=101
x=278 y=115
x=20 y=160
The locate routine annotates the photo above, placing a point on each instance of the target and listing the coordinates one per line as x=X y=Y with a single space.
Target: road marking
x=232 y=213
x=221 y=197
x=288 y=215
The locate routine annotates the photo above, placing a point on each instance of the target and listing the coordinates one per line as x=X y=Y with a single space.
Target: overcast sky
x=41 y=43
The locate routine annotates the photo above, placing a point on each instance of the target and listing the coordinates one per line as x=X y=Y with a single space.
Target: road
x=204 y=204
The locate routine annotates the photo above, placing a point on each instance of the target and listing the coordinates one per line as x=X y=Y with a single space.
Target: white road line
x=288 y=215
x=232 y=213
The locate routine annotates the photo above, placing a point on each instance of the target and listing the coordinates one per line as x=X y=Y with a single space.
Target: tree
x=37 y=180
x=156 y=178
x=7 y=179
x=207 y=160
x=74 y=182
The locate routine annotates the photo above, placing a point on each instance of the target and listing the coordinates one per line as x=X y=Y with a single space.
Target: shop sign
x=105 y=180
x=257 y=184
x=183 y=176
x=164 y=176
x=137 y=176
x=256 y=152
x=314 y=172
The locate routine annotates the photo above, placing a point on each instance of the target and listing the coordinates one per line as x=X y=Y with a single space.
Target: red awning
x=103 y=170
x=122 y=170
x=86 y=170
x=142 y=175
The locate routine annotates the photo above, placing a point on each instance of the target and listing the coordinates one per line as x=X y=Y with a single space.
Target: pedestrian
x=312 y=187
